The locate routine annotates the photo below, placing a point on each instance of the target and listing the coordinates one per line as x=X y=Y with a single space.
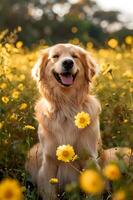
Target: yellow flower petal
x=29 y=127
x=75 y=158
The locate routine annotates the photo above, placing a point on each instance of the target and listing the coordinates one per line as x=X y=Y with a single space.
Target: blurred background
x=54 y=21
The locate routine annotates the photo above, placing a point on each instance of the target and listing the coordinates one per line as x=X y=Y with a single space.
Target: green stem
x=75 y=168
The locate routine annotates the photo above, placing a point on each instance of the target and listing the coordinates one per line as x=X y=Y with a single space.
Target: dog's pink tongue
x=67 y=80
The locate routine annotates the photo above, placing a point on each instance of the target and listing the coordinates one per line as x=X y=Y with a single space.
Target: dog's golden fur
x=55 y=113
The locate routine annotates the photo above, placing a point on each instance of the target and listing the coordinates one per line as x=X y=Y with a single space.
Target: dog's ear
x=39 y=67
x=90 y=66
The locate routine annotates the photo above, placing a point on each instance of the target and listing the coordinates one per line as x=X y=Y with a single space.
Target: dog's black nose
x=67 y=64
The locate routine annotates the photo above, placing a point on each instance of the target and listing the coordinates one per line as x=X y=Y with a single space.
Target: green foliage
x=53 y=21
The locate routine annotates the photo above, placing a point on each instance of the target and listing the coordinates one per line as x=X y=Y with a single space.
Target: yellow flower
x=91 y=182
x=53 y=181
x=29 y=127
x=112 y=171
x=19 y=44
x=1 y=124
x=65 y=153
x=119 y=56
x=8 y=46
x=21 y=86
x=82 y=120
x=113 y=43
x=129 y=40
x=128 y=74
x=5 y=99
x=89 y=45
x=19 y=28
x=125 y=121
x=74 y=41
x=23 y=106
x=22 y=77
x=13 y=117
x=74 y=29
x=15 y=94
x=3 y=86
x=119 y=195
x=10 y=190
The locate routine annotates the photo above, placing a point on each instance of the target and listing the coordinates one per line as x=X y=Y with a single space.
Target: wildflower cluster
x=93 y=181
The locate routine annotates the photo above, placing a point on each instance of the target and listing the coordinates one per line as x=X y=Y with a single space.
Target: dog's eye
x=74 y=56
x=55 y=56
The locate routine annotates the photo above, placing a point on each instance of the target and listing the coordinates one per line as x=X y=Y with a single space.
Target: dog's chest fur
x=58 y=127
x=64 y=129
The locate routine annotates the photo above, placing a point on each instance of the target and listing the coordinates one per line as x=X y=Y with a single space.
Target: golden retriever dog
x=64 y=73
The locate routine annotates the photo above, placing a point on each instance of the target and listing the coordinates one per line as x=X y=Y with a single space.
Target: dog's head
x=64 y=66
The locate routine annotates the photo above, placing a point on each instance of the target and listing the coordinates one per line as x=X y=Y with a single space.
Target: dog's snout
x=67 y=64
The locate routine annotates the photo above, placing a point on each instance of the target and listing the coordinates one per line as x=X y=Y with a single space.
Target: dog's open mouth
x=66 y=79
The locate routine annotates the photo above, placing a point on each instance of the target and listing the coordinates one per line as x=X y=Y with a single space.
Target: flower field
x=18 y=128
